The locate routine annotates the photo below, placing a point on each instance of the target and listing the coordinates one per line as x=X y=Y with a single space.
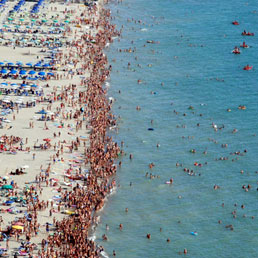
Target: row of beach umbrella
x=15 y=85
x=29 y=64
x=19 y=100
x=24 y=72
x=18 y=6
x=36 y=7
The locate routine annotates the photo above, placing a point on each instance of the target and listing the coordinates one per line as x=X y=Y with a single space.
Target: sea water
x=190 y=64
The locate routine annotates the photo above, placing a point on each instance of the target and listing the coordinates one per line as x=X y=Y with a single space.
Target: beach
x=56 y=156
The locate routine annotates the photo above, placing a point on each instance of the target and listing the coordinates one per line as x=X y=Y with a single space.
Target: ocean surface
x=190 y=64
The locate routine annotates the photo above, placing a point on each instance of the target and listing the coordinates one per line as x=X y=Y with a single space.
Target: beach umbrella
x=29 y=64
x=14 y=84
x=13 y=71
x=47 y=140
x=9 y=202
x=41 y=73
x=7 y=187
x=32 y=72
x=33 y=20
x=44 y=20
x=10 y=19
x=51 y=74
x=3 y=71
x=1 y=63
x=23 y=85
x=69 y=212
x=4 y=83
x=66 y=21
x=42 y=112
x=18 y=227
x=10 y=64
x=6 y=26
x=19 y=63
x=21 y=19
x=22 y=72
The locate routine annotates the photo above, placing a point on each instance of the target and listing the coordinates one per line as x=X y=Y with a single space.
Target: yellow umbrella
x=69 y=212
x=17 y=227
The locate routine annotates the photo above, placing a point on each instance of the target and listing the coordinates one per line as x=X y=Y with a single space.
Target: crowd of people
x=71 y=234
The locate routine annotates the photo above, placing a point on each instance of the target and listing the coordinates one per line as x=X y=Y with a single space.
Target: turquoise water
x=196 y=39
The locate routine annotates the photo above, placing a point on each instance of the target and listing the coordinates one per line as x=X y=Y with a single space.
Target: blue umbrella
x=3 y=71
x=9 y=202
x=1 y=63
x=4 y=83
x=29 y=64
x=34 y=85
x=19 y=63
x=10 y=64
x=42 y=112
x=24 y=85
x=13 y=71
x=51 y=74
x=37 y=65
x=32 y=72
x=42 y=73
x=22 y=72
x=14 y=84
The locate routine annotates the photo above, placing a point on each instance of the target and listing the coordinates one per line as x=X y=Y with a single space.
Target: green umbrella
x=6 y=26
x=10 y=19
x=22 y=19
x=66 y=21
x=7 y=187
x=44 y=20
x=55 y=21
x=33 y=20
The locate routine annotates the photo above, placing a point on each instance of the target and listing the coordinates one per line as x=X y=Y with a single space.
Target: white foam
x=104 y=254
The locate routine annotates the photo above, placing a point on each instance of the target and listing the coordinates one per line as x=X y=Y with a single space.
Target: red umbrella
x=47 y=140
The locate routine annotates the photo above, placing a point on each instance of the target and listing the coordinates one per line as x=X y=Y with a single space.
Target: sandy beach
x=54 y=115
